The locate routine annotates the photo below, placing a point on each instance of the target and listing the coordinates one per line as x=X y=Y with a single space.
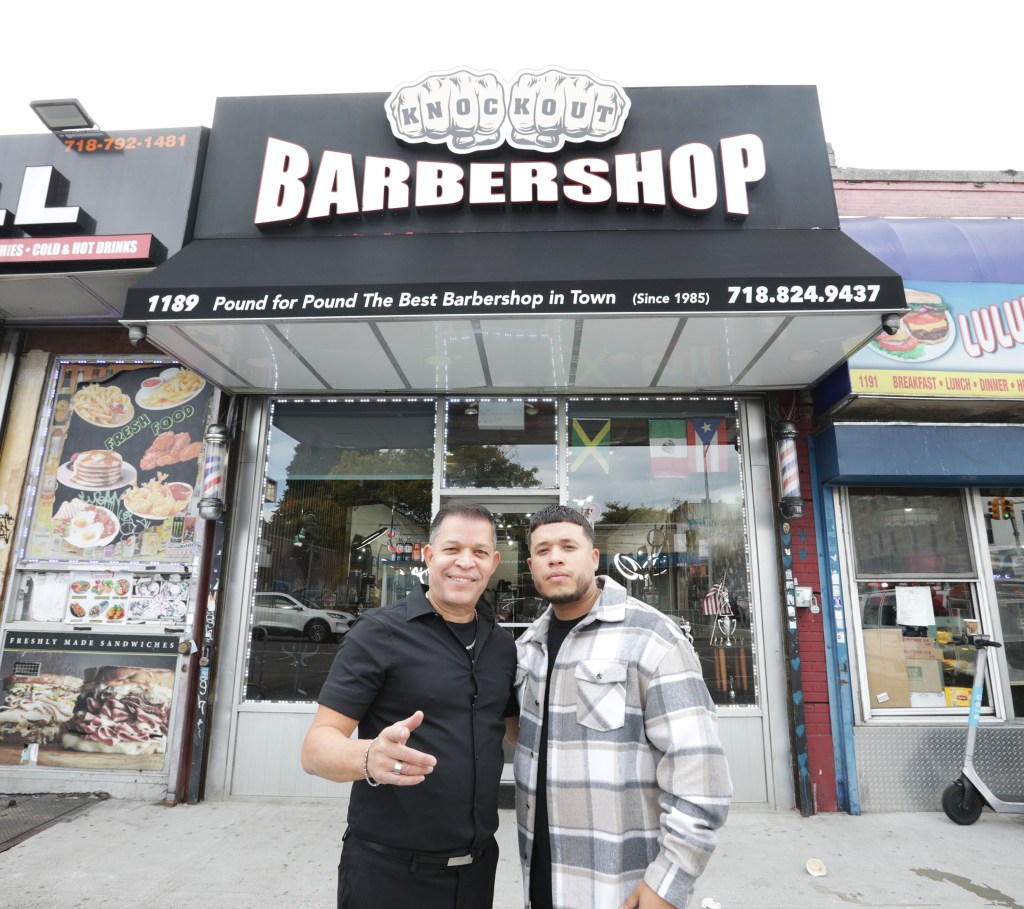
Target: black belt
x=423 y=858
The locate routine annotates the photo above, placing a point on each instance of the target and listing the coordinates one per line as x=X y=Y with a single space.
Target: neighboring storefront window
x=661 y=481
x=347 y=509
x=103 y=589
x=917 y=589
x=1003 y=515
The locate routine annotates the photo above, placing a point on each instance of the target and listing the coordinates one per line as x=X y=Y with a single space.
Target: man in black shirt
x=435 y=672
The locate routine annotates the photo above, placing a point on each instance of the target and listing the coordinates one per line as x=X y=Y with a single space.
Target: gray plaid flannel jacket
x=637 y=781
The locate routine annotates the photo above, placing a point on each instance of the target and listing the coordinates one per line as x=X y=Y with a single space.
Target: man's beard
x=578 y=594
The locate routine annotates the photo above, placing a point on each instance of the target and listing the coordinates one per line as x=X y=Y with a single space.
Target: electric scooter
x=963 y=799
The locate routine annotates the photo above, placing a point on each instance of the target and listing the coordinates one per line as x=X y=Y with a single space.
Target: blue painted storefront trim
x=919 y=454
x=837 y=658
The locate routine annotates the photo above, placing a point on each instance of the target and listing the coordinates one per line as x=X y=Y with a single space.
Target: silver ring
x=398 y=768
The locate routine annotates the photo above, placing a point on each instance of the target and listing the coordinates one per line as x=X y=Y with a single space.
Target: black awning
x=479 y=274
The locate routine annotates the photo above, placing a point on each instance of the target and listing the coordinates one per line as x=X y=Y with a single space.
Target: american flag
x=717 y=600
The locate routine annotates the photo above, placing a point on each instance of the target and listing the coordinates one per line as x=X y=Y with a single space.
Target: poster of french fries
x=123 y=463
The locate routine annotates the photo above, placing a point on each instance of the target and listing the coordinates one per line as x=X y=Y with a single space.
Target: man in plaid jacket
x=621 y=778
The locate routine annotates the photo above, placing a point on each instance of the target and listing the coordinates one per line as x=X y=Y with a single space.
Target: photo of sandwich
x=924 y=333
x=121 y=710
x=929 y=323
x=36 y=707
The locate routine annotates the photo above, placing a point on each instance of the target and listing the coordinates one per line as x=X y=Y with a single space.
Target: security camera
x=891 y=322
x=136 y=334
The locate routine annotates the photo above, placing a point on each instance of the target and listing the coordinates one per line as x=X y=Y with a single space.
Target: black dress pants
x=370 y=880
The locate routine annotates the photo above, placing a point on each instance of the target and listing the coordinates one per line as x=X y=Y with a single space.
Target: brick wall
x=955 y=196
x=820 y=753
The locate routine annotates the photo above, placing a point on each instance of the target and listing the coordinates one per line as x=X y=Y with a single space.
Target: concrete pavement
x=245 y=853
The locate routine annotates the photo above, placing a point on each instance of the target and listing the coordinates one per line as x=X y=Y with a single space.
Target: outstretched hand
x=389 y=753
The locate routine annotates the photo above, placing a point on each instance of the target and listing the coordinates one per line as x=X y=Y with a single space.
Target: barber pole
x=211 y=504
x=213 y=473
x=790 y=471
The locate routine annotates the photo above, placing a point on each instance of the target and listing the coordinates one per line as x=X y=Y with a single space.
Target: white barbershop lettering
x=532 y=301
x=690 y=181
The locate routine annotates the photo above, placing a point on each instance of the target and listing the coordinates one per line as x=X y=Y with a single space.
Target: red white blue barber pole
x=791 y=502
x=211 y=505
x=213 y=475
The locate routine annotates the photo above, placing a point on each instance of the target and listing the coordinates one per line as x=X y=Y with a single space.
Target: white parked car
x=282 y=615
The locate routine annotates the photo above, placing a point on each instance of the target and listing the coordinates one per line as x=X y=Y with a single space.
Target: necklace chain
x=476 y=621
x=476 y=631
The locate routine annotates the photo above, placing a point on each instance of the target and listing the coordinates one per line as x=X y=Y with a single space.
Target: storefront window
x=347 y=508
x=911 y=534
x=500 y=444
x=917 y=594
x=661 y=481
x=1003 y=516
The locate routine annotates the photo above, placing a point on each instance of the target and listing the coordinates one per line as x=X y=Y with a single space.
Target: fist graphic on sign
x=468 y=111
x=547 y=109
x=463 y=109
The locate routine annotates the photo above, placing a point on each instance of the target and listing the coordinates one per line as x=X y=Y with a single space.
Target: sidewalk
x=241 y=854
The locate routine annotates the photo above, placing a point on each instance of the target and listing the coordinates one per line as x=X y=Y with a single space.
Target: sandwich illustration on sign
x=121 y=710
x=923 y=333
x=36 y=707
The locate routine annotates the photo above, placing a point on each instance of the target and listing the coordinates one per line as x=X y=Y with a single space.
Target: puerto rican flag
x=708 y=438
x=681 y=447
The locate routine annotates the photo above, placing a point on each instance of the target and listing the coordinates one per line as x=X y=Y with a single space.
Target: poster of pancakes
x=122 y=464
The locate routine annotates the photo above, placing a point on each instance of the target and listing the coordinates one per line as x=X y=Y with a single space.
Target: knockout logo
x=469 y=111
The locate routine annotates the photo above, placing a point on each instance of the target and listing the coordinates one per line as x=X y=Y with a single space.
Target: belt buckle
x=461 y=860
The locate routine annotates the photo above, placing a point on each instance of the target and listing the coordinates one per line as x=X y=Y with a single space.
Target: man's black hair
x=469 y=510
x=560 y=514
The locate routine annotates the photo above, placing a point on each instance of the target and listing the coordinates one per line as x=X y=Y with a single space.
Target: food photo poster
x=122 y=465
x=87 y=700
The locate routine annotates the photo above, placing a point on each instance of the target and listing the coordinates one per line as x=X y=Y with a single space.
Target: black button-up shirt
x=402 y=658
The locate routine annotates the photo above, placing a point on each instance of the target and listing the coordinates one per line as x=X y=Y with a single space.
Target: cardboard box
x=958 y=697
x=924 y=675
x=888 y=684
x=920 y=649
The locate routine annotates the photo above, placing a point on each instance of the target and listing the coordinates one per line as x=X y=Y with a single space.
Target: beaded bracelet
x=366 y=758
